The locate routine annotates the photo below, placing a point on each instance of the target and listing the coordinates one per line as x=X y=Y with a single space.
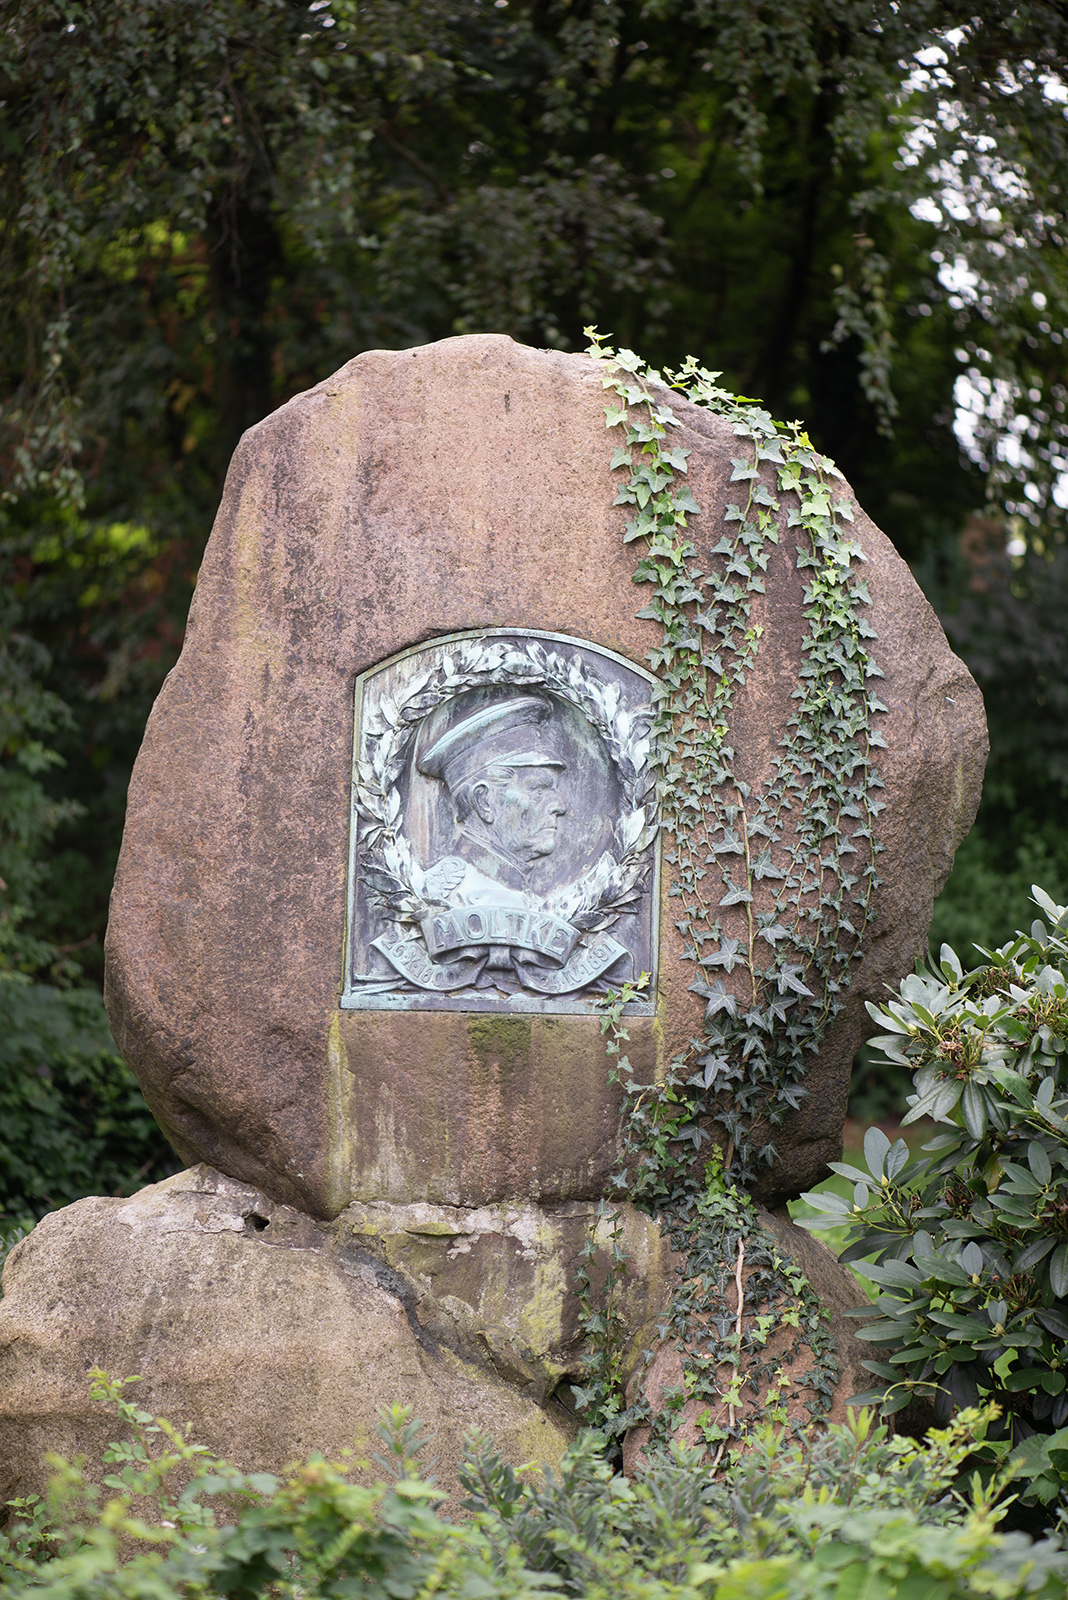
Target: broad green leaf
x=944 y=1100
x=936 y=1102
x=1013 y=1205
x=1053 y=911
x=940 y=1267
x=844 y=1170
x=973 y=1109
x=891 y=1045
x=917 y=993
x=1031 y=1457
x=971 y=1258
x=1020 y=1180
x=876 y=1149
x=949 y=962
x=892 y=1404
x=897 y=1158
x=866 y=1245
x=1013 y=1084
x=968 y=1328
x=1032 y=1255
x=1020 y=1378
x=1038 y=1161
x=824 y=1200
x=885 y=1018
x=895 y=1274
x=1058 y=1270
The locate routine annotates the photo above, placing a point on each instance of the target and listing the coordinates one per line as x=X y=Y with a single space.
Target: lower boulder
x=266 y=1335
x=257 y=1331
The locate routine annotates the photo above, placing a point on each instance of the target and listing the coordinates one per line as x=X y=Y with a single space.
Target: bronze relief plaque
x=502 y=851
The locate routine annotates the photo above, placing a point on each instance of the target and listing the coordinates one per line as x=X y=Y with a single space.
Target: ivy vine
x=798 y=853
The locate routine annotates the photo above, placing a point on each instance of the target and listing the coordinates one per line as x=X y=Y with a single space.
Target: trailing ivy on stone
x=807 y=835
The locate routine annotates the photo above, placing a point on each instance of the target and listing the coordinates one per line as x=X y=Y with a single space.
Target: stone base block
x=266 y=1334
x=257 y=1332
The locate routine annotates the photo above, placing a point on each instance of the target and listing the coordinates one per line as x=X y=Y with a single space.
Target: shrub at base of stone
x=848 y=1513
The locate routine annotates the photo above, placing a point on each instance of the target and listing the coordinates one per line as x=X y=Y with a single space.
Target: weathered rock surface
x=457 y=486
x=788 y=1354
x=267 y=1335
x=498 y=1283
x=260 y=1333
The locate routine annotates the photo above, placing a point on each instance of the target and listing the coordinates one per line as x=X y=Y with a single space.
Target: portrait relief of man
x=501 y=770
x=501 y=827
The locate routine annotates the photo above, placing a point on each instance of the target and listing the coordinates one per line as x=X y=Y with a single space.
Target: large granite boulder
x=417 y=1020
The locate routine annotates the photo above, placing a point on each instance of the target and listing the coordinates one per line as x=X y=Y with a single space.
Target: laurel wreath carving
x=596 y=899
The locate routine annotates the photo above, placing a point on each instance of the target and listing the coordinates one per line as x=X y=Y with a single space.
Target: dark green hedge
x=72 y=1119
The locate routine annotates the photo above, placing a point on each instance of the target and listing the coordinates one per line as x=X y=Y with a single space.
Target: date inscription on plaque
x=502 y=850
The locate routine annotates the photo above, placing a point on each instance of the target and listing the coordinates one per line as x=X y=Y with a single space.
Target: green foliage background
x=208 y=205
x=72 y=1119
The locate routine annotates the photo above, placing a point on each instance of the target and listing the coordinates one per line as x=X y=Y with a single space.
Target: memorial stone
x=392 y=840
x=391 y=834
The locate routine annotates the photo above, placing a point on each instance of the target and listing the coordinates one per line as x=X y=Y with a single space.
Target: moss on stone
x=500 y=1045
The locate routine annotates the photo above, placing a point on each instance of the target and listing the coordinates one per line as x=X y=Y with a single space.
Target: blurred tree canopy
x=856 y=210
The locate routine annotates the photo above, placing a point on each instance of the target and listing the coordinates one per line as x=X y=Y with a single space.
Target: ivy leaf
x=726 y=956
x=764 y=867
x=729 y=845
x=719 y=999
x=712 y=1067
x=737 y=895
x=770 y=452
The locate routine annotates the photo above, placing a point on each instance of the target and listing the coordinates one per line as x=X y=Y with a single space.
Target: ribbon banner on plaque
x=516 y=929
x=560 y=970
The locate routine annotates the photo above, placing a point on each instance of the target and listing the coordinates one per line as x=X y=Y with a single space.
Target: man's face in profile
x=521 y=815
